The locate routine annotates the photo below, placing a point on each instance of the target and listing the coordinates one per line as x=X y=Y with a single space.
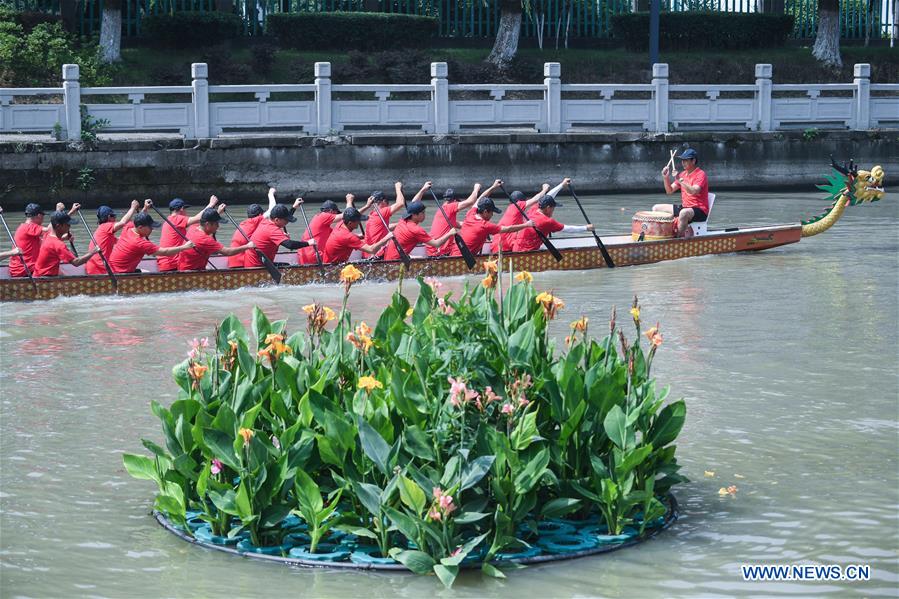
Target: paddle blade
x=604 y=251
x=465 y=251
x=552 y=249
x=270 y=267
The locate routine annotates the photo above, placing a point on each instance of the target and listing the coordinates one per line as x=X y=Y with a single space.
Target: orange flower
x=489 y=282
x=524 y=277
x=349 y=275
x=363 y=329
x=276 y=346
x=551 y=304
x=580 y=324
x=247 y=434
x=490 y=267
x=654 y=335
x=196 y=371
x=369 y=383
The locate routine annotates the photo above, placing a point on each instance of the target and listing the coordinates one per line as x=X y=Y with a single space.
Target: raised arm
x=213 y=200
x=400 y=198
x=421 y=192
x=468 y=202
x=271 y=201
x=555 y=190
x=126 y=218
x=669 y=188
x=536 y=198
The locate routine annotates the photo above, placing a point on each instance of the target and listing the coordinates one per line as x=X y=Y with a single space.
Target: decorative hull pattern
x=578 y=254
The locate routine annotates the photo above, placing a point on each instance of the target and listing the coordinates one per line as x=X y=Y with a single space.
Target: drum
x=653 y=226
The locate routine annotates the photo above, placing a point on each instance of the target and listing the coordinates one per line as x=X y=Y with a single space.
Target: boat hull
x=578 y=254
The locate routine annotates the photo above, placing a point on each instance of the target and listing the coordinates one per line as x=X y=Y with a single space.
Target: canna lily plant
x=446 y=434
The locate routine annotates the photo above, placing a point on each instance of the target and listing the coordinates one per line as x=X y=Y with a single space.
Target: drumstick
x=671 y=160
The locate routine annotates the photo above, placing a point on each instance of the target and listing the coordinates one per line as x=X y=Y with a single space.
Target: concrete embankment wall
x=242 y=168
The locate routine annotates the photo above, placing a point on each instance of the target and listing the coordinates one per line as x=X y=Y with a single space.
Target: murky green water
x=787 y=360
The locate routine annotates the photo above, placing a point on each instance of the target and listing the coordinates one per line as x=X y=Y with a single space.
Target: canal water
x=787 y=360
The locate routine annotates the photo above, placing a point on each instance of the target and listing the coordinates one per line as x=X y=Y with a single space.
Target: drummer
x=694 y=189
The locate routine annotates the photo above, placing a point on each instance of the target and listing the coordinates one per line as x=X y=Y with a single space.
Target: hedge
x=351 y=31
x=704 y=30
x=190 y=29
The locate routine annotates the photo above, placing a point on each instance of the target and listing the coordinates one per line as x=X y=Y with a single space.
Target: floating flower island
x=453 y=434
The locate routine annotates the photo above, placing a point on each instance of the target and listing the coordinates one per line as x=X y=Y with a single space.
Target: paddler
x=205 y=243
x=452 y=206
x=542 y=215
x=514 y=215
x=28 y=237
x=343 y=240
x=694 y=188
x=54 y=251
x=320 y=227
x=106 y=234
x=169 y=237
x=134 y=244
x=477 y=226
x=408 y=232
x=248 y=226
x=271 y=234
x=376 y=229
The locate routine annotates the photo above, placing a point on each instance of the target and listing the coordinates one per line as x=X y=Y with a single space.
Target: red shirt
x=53 y=251
x=249 y=227
x=409 y=235
x=170 y=238
x=320 y=229
x=267 y=237
x=474 y=232
x=440 y=227
x=527 y=239
x=699 y=200
x=375 y=231
x=130 y=250
x=512 y=216
x=28 y=238
x=341 y=244
x=204 y=246
x=106 y=239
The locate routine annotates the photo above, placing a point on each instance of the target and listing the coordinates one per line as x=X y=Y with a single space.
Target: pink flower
x=508 y=409
x=522 y=402
x=275 y=442
x=457 y=388
x=490 y=396
x=471 y=394
x=444 y=307
x=434 y=284
x=457 y=551
x=437 y=492
x=216 y=466
x=434 y=515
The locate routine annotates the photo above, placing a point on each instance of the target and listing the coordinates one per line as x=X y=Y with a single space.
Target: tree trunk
x=506 y=45
x=111 y=31
x=371 y=6
x=827 y=41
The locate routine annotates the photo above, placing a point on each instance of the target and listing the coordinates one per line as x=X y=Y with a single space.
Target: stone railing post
x=323 y=98
x=71 y=93
x=552 y=73
x=440 y=94
x=199 y=72
x=763 y=73
x=660 y=95
x=862 y=83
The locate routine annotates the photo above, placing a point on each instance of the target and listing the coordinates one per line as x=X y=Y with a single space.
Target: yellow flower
x=329 y=314
x=731 y=490
x=490 y=267
x=709 y=473
x=581 y=324
x=409 y=312
x=350 y=274
x=551 y=304
x=651 y=331
x=363 y=329
x=524 y=277
x=489 y=282
x=247 y=434
x=309 y=308
x=369 y=383
x=635 y=313
x=275 y=346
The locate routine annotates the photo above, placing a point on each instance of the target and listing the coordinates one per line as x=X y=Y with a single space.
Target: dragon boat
x=846 y=186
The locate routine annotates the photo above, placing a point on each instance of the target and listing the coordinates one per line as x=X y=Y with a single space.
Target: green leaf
x=573 y=422
x=412 y=495
x=475 y=470
x=525 y=431
x=463 y=551
x=261 y=326
x=370 y=496
x=616 y=426
x=416 y=442
x=668 y=424
x=357 y=530
x=631 y=460
x=140 y=467
x=446 y=574
x=491 y=570
x=374 y=446
x=222 y=447
x=556 y=508
x=308 y=495
x=521 y=344
x=406 y=525
x=529 y=476
x=242 y=502
x=418 y=562
x=469 y=517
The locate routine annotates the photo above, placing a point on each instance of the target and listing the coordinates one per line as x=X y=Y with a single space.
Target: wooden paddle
x=268 y=264
x=318 y=257
x=186 y=240
x=115 y=282
x=552 y=249
x=460 y=243
x=21 y=257
x=599 y=243
x=399 y=249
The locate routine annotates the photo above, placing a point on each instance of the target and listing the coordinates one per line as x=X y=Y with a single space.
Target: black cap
x=60 y=217
x=178 y=204
x=517 y=196
x=282 y=211
x=415 y=207
x=33 y=210
x=351 y=214
x=145 y=220
x=487 y=204
x=210 y=215
x=688 y=154
x=449 y=194
x=329 y=206
x=548 y=201
x=378 y=196
x=103 y=214
x=254 y=210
